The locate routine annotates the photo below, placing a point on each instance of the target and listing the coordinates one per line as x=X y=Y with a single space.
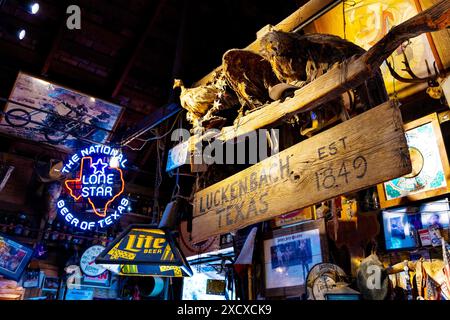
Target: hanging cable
x=154 y=138
x=165 y=134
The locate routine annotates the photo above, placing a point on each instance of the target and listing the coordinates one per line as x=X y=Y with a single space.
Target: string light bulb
x=21 y=34
x=34 y=8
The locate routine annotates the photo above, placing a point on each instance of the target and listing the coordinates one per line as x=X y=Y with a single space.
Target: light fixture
x=114 y=162
x=21 y=34
x=34 y=7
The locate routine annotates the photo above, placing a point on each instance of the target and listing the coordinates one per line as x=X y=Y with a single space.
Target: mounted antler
x=431 y=79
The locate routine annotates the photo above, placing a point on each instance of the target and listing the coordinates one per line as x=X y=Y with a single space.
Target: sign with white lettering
x=93 y=193
x=361 y=152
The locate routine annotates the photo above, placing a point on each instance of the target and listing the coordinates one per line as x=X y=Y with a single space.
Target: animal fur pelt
x=250 y=76
x=299 y=59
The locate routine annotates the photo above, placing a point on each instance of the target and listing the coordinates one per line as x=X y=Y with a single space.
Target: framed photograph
x=289 y=254
x=429 y=177
x=45 y=112
x=51 y=284
x=14 y=258
x=410 y=227
x=401 y=228
x=33 y=279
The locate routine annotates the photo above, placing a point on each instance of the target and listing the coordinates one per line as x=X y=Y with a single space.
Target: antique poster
x=58 y=116
x=367 y=21
x=429 y=165
x=288 y=259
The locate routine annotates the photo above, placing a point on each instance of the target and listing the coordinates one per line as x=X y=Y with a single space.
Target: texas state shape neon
x=79 y=181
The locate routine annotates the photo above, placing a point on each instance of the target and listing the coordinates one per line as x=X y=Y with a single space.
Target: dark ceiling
x=128 y=52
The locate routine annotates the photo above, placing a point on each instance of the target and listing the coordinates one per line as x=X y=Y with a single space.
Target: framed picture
x=33 y=279
x=400 y=228
x=289 y=254
x=45 y=112
x=429 y=177
x=51 y=284
x=410 y=227
x=14 y=258
x=367 y=21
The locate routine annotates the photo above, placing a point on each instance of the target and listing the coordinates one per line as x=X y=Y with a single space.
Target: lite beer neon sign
x=98 y=183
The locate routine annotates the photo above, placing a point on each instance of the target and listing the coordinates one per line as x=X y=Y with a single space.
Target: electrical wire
x=154 y=138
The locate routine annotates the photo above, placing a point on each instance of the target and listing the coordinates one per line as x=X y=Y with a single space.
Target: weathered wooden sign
x=364 y=151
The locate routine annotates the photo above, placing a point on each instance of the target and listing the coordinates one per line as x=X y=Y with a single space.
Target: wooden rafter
x=56 y=41
x=54 y=48
x=140 y=44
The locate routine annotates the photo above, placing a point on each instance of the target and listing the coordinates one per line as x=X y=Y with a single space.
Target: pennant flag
x=246 y=255
x=446 y=258
x=143 y=250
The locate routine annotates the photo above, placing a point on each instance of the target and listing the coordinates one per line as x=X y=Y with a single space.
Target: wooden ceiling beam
x=87 y=53
x=54 y=44
x=54 y=47
x=18 y=56
x=137 y=48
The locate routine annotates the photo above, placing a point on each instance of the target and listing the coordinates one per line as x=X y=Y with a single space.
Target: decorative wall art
x=45 y=112
x=429 y=177
x=367 y=21
x=14 y=258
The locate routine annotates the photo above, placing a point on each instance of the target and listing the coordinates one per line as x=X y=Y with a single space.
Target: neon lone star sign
x=97 y=182
x=95 y=185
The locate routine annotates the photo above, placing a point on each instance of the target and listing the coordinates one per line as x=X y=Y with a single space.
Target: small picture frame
x=50 y=284
x=289 y=254
x=14 y=258
x=431 y=170
x=32 y=279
